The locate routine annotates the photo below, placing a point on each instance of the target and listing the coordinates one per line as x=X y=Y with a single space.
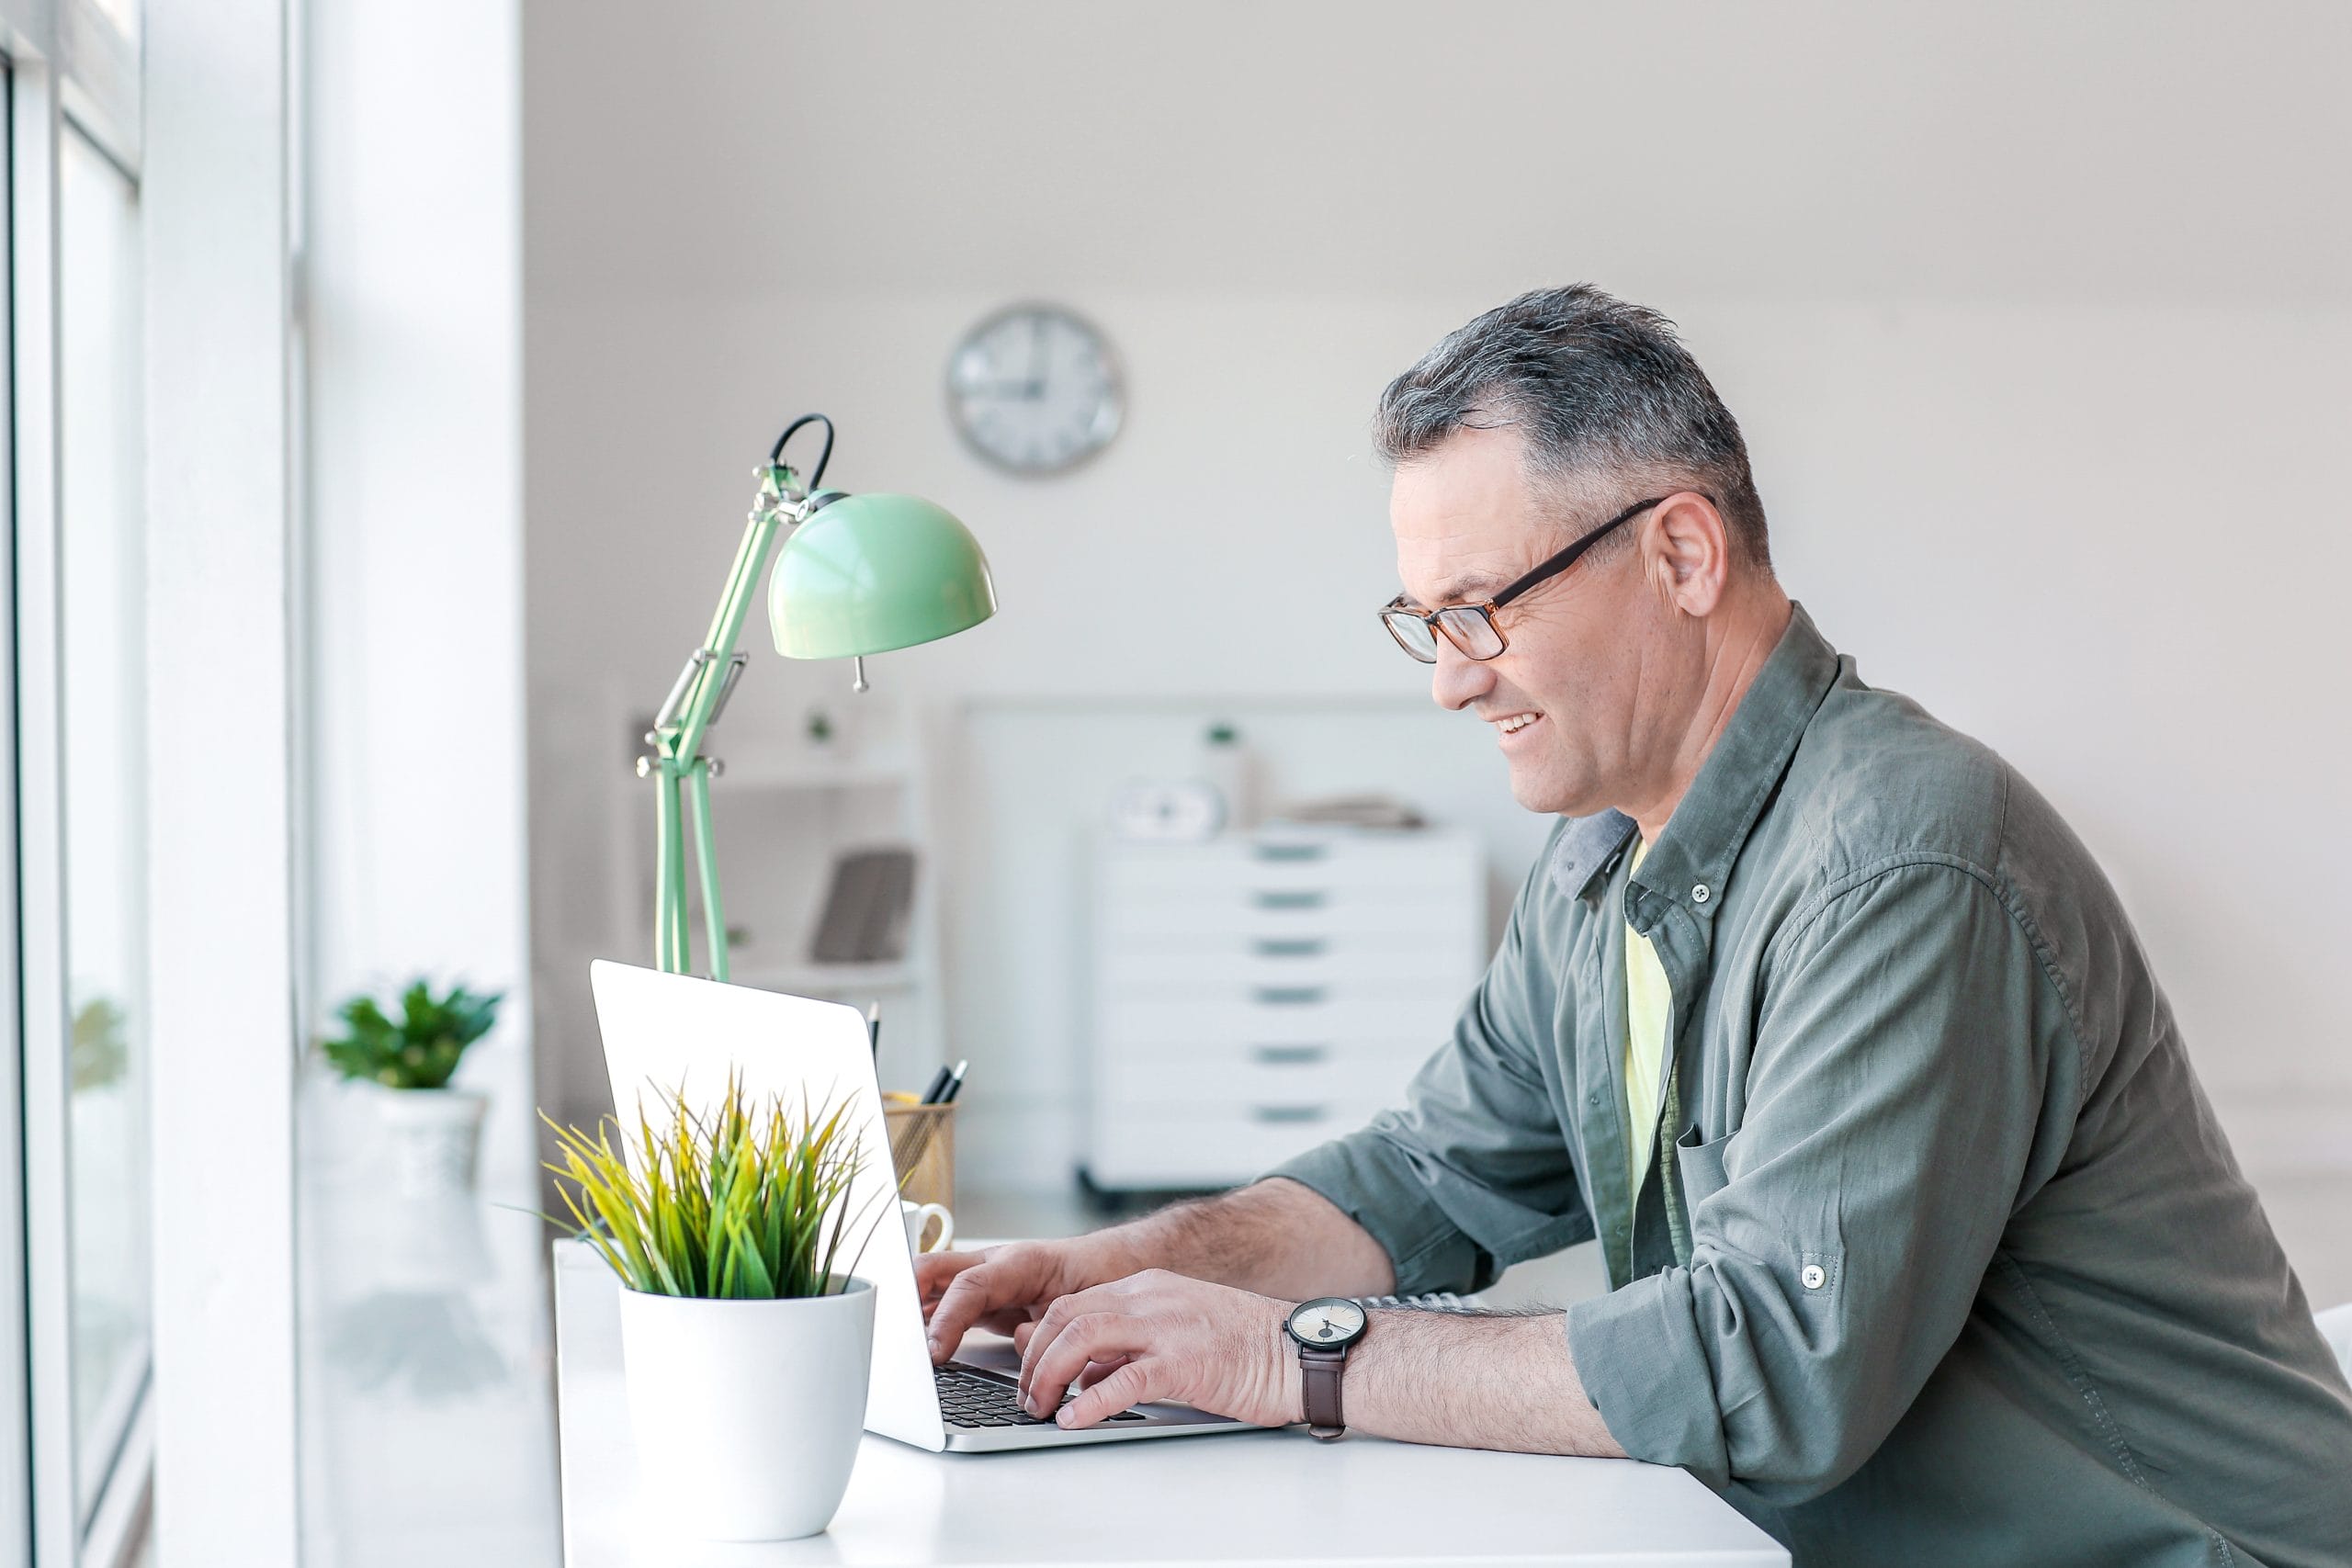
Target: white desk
x=1268 y=1498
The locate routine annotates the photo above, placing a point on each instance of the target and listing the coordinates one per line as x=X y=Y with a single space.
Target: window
x=102 y=586
x=75 y=1417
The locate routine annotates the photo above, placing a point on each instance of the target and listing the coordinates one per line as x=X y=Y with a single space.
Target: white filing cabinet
x=1258 y=994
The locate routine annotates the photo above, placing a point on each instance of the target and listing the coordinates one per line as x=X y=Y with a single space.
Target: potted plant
x=745 y=1340
x=435 y=1132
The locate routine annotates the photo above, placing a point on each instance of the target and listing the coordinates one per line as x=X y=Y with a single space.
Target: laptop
x=666 y=1031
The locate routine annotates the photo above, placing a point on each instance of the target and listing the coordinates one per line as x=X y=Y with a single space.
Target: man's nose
x=1458 y=681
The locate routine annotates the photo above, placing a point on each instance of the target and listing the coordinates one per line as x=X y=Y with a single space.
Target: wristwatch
x=1324 y=1329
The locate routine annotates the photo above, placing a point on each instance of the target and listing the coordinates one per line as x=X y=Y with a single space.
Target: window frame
x=69 y=70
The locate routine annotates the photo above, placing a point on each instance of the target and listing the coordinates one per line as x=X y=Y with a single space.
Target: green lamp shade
x=872 y=572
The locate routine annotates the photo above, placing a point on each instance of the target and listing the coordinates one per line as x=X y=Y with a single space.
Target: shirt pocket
x=1700 y=1166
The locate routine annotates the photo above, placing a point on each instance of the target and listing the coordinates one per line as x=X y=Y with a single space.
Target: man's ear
x=1686 y=554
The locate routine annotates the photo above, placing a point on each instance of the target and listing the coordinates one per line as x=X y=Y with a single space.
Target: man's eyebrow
x=1474 y=588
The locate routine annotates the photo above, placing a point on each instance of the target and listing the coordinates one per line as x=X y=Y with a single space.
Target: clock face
x=1034 y=390
x=1332 y=1319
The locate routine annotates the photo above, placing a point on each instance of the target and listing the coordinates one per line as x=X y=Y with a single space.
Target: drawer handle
x=1289 y=852
x=1290 y=996
x=1289 y=1055
x=1289 y=947
x=1289 y=1112
x=1293 y=900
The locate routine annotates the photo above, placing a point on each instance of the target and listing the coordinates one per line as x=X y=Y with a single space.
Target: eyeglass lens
x=1471 y=632
x=1466 y=626
x=1412 y=634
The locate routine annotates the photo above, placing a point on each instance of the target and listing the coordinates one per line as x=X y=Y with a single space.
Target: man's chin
x=1536 y=792
x=1552 y=791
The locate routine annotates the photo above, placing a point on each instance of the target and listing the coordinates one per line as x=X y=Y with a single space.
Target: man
x=1924 y=1246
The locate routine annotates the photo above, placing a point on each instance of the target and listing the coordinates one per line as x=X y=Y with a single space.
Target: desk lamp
x=856 y=574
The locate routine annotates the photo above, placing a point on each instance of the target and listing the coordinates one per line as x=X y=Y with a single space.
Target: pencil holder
x=922 y=1148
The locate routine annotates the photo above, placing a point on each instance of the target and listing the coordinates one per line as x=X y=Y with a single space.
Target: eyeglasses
x=1471 y=628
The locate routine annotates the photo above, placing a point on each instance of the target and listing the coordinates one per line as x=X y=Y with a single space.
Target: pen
x=938 y=1081
x=874 y=1029
x=955 y=1085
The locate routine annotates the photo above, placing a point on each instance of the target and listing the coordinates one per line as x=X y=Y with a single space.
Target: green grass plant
x=743 y=1201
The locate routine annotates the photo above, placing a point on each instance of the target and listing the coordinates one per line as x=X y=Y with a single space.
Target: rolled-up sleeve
x=1914 y=1072
x=1474 y=1173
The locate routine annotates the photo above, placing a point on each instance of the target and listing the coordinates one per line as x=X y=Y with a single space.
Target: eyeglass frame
x=1551 y=567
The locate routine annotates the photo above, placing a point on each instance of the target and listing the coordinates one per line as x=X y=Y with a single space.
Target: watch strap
x=1319 y=1380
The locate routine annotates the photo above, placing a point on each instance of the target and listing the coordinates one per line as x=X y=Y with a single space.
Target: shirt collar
x=1717 y=813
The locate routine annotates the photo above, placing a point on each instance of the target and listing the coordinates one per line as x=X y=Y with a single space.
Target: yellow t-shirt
x=1649 y=1005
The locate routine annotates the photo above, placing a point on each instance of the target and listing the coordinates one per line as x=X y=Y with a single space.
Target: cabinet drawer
x=1275 y=963
x=1278 y=1015
x=1225 y=1077
x=1296 y=913
x=1219 y=1148
x=1337 y=864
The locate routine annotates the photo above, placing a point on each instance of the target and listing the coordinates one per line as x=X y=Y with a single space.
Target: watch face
x=1034 y=390
x=1333 y=1321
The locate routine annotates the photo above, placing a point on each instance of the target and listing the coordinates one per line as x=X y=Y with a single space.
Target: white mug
x=919 y=1215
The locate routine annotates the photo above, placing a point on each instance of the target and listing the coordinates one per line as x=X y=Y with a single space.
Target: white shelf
x=812 y=773
x=810 y=980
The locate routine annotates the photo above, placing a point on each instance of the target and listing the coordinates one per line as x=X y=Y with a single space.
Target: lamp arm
x=710 y=674
x=709 y=669
x=694 y=703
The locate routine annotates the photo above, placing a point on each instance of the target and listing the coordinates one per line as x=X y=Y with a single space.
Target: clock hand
x=1036 y=388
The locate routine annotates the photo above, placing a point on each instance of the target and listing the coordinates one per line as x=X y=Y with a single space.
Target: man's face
x=1467 y=524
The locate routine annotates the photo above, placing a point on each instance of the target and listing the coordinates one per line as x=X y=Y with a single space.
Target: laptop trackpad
x=990 y=1352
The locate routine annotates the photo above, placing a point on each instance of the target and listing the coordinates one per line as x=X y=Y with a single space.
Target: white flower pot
x=432 y=1137
x=747 y=1414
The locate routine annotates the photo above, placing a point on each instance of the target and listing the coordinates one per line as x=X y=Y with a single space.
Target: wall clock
x=1181 y=811
x=1034 y=389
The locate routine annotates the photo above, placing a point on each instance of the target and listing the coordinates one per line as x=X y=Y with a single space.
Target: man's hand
x=1005 y=1288
x=1161 y=1336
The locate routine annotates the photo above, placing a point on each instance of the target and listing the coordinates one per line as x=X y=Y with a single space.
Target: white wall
x=414 y=342
x=414 y=717
x=2035 y=320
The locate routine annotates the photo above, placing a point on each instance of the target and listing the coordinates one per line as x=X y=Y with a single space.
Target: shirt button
x=1813 y=1277
x=1698 y=895
x=1593 y=1099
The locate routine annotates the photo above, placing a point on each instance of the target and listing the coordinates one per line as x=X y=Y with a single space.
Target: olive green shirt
x=1945 y=1259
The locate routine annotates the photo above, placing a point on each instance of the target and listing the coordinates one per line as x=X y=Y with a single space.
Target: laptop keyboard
x=970 y=1398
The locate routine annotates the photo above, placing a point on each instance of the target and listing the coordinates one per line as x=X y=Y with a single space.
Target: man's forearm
x=1473 y=1382
x=1276 y=1238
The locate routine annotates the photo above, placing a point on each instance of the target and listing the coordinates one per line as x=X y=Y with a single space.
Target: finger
x=934 y=1270
x=992 y=1285
x=1096 y=1372
x=1011 y=1320
x=1057 y=1314
x=1039 y=1340
x=1087 y=1337
x=1138 y=1382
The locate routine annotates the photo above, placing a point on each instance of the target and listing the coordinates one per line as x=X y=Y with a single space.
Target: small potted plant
x=435 y=1132
x=745 y=1340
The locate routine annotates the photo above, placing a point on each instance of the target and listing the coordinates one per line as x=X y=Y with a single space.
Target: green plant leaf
x=740 y=1199
x=422 y=1048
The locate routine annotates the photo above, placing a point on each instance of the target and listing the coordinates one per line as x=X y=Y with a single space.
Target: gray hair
x=1604 y=394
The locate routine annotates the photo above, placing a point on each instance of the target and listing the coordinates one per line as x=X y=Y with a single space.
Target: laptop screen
x=664 y=1033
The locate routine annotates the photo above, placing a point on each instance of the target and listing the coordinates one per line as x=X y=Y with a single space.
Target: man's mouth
x=1516 y=724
